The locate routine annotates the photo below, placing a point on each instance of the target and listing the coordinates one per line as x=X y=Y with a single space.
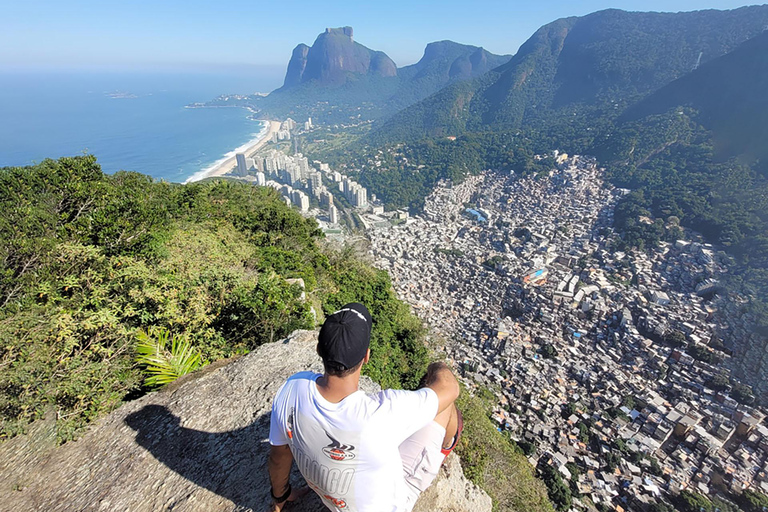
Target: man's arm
x=279 y=465
x=440 y=379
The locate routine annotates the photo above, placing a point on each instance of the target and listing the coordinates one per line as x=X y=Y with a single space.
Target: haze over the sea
x=130 y=120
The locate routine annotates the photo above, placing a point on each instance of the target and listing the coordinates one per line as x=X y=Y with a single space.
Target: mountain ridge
x=577 y=61
x=366 y=83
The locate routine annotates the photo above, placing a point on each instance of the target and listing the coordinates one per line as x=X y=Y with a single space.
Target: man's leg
x=438 y=375
x=424 y=452
x=449 y=420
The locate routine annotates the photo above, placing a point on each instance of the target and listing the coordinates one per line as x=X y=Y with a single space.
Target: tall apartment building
x=326 y=198
x=242 y=165
x=361 y=197
x=334 y=214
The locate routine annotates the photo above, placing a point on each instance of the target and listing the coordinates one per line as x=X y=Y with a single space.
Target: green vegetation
x=111 y=285
x=690 y=150
x=752 y=501
x=319 y=89
x=491 y=263
x=574 y=75
x=559 y=493
x=702 y=353
x=688 y=501
x=493 y=462
x=399 y=356
x=165 y=364
x=449 y=252
x=548 y=351
x=661 y=506
x=675 y=338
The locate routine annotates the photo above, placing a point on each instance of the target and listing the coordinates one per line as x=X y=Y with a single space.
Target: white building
x=301 y=200
x=361 y=197
x=334 y=214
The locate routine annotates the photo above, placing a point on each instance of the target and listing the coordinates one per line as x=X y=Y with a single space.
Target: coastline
x=225 y=165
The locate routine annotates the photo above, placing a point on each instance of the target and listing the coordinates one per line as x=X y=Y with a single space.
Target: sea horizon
x=133 y=121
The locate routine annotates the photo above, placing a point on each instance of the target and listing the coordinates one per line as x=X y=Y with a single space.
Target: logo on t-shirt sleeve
x=337 y=451
x=289 y=425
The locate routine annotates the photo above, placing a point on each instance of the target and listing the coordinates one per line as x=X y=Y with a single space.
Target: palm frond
x=164 y=364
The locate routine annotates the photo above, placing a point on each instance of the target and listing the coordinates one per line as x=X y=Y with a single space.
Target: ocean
x=129 y=120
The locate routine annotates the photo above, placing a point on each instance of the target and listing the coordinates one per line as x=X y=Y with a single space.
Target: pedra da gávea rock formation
x=198 y=444
x=333 y=56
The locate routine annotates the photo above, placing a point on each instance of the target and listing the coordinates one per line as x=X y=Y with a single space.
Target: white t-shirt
x=348 y=451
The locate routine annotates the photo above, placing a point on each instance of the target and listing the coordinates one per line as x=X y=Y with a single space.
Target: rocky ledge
x=198 y=444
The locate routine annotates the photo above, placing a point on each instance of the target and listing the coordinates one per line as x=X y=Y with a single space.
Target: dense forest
x=93 y=267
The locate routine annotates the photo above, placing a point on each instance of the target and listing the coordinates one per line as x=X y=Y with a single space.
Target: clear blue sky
x=195 y=33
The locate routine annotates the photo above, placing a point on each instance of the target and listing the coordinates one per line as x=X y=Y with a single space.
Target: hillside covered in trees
x=92 y=264
x=574 y=73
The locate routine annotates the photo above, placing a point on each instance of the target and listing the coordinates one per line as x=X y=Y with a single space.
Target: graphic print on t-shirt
x=338 y=451
x=289 y=423
x=326 y=459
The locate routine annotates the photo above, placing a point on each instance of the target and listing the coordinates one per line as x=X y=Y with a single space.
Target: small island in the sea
x=120 y=95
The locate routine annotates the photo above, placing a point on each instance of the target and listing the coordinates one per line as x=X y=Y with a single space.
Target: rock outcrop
x=333 y=57
x=452 y=61
x=199 y=444
x=296 y=65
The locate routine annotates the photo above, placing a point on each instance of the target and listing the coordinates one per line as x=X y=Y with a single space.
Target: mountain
x=728 y=94
x=443 y=62
x=337 y=78
x=333 y=56
x=607 y=60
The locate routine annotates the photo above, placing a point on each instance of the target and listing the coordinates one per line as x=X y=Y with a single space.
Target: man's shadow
x=232 y=464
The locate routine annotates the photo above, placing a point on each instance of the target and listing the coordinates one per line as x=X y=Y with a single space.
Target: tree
x=675 y=338
x=753 y=501
x=688 y=501
x=558 y=492
x=612 y=460
x=719 y=382
x=661 y=506
x=527 y=447
x=568 y=410
x=742 y=393
x=655 y=467
x=548 y=351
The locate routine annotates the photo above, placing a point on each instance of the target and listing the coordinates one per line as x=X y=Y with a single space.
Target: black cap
x=345 y=335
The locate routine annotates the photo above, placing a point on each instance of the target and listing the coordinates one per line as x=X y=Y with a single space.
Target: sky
x=195 y=34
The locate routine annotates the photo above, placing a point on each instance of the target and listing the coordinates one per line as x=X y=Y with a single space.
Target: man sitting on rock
x=359 y=452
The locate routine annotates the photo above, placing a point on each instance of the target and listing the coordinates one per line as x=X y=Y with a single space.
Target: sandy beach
x=226 y=165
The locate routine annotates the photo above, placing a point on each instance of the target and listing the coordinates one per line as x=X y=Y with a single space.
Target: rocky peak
x=455 y=61
x=333 y=57
x=199 y=444
x=346 y=31
x=296 y=65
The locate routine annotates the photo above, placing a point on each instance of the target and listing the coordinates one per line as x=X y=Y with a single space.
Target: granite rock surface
x=198 y=444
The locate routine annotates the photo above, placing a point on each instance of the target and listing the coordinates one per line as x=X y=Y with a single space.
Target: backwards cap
x=345 y=336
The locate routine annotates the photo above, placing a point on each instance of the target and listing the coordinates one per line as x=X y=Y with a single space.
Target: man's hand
x=296 y=495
